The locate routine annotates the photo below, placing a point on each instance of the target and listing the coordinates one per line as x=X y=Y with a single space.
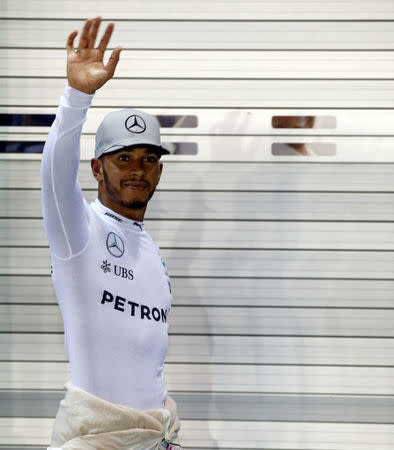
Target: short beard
x=112 y=193
x=133 y=205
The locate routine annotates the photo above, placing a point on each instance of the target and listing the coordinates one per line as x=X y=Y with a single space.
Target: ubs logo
x=115 y=245
x=119 y=271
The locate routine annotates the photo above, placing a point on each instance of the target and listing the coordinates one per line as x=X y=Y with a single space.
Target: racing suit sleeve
x=64 y=210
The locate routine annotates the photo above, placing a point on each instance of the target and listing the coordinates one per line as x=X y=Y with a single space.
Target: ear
x=97 y=169
x=161 y=170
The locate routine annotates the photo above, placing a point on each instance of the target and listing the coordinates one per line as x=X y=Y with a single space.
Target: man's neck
x=129 y=213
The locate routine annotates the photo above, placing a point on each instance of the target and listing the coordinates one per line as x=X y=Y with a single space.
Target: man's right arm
x=63 y=205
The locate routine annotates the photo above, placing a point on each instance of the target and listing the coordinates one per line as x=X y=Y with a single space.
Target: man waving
x=111 y=283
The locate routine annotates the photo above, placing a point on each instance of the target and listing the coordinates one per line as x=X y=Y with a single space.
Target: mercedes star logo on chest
x=115 y=245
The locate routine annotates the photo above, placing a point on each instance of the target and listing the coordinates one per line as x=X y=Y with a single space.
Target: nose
x=136 y=166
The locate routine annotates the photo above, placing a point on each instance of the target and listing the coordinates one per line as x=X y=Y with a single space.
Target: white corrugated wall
x=281 y=333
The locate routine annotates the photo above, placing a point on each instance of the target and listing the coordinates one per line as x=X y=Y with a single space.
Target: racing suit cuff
x=76 y=99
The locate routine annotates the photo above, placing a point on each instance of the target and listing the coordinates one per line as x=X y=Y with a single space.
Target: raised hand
x=85 y=68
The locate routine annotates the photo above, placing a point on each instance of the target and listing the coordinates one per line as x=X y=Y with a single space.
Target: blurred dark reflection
x=303 y=149
x=293 y=121
x=21 y=147
x=317 y=122
x=26 y=120
x=178 y=121
x=181 y=148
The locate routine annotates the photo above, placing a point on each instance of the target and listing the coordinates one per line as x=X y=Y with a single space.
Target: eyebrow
x=148 y=151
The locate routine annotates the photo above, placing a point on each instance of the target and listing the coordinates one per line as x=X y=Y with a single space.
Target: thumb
x=113 y=61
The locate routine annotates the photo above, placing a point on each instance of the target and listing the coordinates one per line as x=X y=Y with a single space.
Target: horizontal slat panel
x=232 y=205
x=34 y=375
x=236 y=435
x=26 y=289
x=212 y=93
x=273 y=321
x=209 y=35
x=232 y=176
x=226 y=291
x=234 y=406
x=217 y=10
x=235 y=122
x=23 y=447
x=255 y=148
x=234 y=263
x=221 y=320
x=280 y=379
x=224 y=378
x=225 y=349
x=232 y=234
x=208 y=64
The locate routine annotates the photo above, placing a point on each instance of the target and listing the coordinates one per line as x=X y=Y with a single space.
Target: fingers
x=84 y=39
x=106 y=37
x=70 y=41
x=89 y=35
x=113 y=61
x=93 y=32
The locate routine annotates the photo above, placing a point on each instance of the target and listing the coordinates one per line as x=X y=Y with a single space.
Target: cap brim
x=116 y=148
x=161 y=150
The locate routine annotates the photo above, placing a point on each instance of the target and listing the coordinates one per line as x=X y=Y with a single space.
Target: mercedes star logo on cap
x=115 y=245
x=135 y=124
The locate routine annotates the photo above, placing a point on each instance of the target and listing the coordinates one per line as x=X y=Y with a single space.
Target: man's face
x=128 y=177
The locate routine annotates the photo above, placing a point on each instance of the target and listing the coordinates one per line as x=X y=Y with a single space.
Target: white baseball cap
x=125 y=128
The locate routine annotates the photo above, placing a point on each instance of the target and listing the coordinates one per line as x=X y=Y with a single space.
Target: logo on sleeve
x=115 y=245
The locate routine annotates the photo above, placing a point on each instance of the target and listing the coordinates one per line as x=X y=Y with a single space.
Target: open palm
x=85 y=67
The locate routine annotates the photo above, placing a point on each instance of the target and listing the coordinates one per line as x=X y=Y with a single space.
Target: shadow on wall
x=275 y=407
x=195 y=393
